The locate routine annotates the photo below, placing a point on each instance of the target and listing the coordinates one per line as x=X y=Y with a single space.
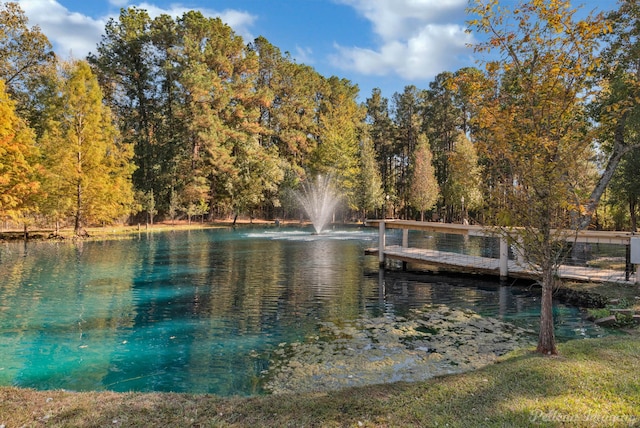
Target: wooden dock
x=502 y=267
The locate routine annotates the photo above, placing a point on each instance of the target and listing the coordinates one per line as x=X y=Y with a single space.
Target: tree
x=463 y=182
x=337 y=152
x=174 y=206
x=147 y=202
x=25 y=56
x=369 y=194
x=290 y=117
x=465 y=83
x=195 y=191
x=222 y=110
x=442 y=122
x=88 y=169
x=617 y=110
x=424 y=189
x=18 y=155
x=124 y=61
x=170 y=144
x=408 y=125
x=625 y=187
x=536 y=130
x=381 y=131
x=260 y=173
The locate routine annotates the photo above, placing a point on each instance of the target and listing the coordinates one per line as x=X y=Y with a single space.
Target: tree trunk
x=620 y=148
x=78 y=223
x=632 y=213
x=546 y=339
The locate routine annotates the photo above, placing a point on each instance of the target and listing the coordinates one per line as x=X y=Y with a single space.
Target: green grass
x=627 y=294
x=594 y=382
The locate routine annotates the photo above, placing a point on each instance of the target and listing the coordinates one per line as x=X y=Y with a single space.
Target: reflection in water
x=518 y=305
x=202 y=311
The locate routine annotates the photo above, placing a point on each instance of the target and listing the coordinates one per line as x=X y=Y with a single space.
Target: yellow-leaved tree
x=465 y=176
x=18 y=182
x=533 y=130
x=88 y=169
x=424 y=189
x=336 y=154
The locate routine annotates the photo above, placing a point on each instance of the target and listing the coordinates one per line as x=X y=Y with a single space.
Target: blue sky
x=387 y=44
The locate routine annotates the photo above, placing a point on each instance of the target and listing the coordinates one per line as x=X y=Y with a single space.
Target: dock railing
x=601 y=256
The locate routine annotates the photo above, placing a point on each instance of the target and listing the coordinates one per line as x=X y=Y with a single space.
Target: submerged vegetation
x=429 y=342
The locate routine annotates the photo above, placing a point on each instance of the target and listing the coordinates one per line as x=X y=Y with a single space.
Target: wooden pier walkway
x=502 y=267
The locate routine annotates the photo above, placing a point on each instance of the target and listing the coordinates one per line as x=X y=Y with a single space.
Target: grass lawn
x=594 y=382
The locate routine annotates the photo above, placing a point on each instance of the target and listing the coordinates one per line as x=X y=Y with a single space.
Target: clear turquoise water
x=202 y=311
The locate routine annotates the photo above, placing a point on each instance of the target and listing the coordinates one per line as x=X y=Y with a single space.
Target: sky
x=386 y=44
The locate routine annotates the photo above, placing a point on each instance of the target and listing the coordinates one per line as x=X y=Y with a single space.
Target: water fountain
x=318 y=198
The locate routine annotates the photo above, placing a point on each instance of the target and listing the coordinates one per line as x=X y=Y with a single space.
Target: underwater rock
x=434 y=356
x=608 y=321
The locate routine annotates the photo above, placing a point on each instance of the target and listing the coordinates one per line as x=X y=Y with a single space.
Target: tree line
x=180 y=117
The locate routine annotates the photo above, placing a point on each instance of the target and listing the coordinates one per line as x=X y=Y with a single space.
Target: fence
x=591 y=255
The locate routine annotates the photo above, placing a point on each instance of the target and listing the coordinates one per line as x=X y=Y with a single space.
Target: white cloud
x=240 y=21
x=417 y=39
x=74 y=34
x=304 y=55
x=119 y=3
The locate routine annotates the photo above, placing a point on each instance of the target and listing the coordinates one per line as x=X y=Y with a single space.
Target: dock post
x=405 y=244
x=381 y=243
x=504 y=258
x=633 y=257
x=520 y=252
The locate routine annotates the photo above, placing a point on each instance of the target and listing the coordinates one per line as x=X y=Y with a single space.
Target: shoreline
x=109 y=232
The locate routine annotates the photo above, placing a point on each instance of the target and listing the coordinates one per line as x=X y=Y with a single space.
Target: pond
x=205 y=311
